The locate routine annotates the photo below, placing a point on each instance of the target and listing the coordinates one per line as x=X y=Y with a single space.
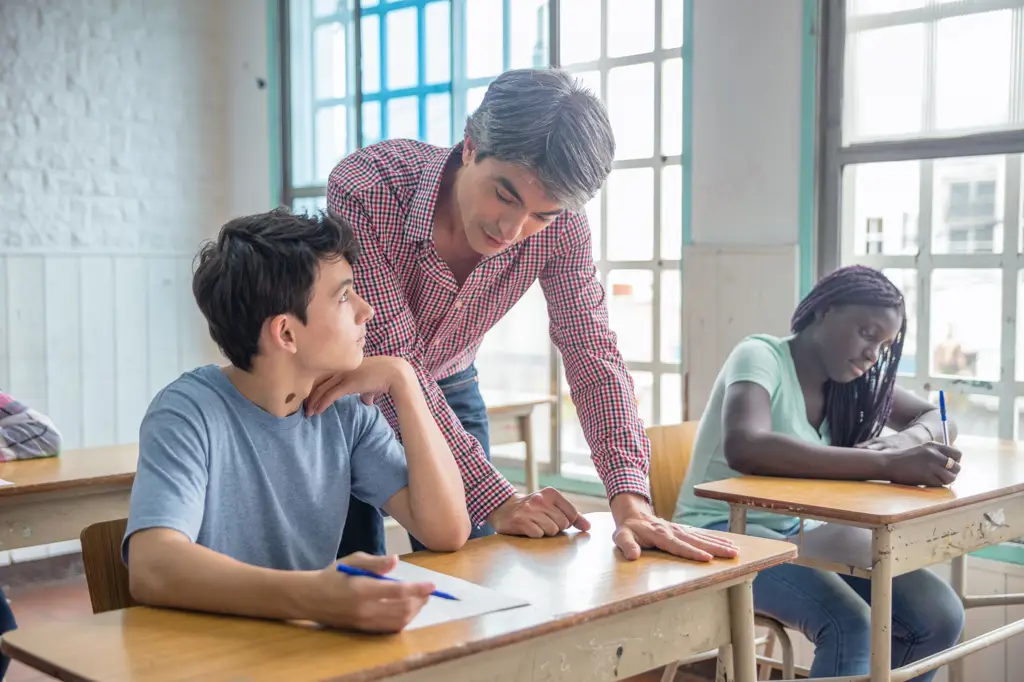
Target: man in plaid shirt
x=451 y=239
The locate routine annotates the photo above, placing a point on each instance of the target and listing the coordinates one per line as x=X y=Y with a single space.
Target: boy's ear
x=280 y=334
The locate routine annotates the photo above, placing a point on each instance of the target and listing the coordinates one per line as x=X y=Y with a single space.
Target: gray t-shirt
x=265 y=490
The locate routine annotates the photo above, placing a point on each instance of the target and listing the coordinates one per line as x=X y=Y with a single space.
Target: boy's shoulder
x=191 y=392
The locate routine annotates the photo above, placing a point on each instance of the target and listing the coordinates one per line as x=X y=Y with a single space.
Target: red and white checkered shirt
x=387 y=192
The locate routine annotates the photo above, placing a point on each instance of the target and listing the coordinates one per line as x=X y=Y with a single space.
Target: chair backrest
x=671 y=447
x=105 y=573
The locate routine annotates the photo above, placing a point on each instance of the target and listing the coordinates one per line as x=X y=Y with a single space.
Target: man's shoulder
x=392 y=163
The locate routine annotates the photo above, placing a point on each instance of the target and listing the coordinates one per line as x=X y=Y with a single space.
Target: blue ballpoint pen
x=352 y=570
x=942 y=413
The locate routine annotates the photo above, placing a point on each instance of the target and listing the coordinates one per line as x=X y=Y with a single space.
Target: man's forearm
x=189 y=576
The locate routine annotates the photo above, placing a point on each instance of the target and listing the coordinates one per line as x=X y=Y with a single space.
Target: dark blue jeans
x=6 y=625
x=364 y=528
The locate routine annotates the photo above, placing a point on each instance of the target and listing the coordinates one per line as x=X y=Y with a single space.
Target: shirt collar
x=419 y=223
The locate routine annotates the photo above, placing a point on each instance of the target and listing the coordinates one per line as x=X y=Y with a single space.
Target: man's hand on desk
x=637 y=528
x=542 y=513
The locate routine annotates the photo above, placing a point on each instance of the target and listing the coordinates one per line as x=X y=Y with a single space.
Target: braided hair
x=858 y=410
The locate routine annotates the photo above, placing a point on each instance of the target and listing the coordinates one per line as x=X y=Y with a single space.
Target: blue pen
x=352 y=570
x=942 y=413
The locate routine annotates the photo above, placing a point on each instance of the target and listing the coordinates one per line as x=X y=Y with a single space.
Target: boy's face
x=333 y=337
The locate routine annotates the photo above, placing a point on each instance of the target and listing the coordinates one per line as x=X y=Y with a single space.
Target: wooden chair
x=105 y=573
x=671 y=450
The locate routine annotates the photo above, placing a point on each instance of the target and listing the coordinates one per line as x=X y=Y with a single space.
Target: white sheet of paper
x=473 y=600
x=3 y=483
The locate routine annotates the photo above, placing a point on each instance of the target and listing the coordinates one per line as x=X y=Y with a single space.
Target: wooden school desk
x=511 y=420
x=592 y=616
x=53 y=499
x=912 y=528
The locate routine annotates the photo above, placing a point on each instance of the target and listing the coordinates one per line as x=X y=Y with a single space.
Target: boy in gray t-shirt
x=240 y=498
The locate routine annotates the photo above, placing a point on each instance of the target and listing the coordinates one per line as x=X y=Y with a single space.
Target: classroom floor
x=44 y=602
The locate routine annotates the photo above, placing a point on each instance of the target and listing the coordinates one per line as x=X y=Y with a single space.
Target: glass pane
x=592 y=80
x=884 y=82
x=975 y=415
x=644 y=386
x=884 y=205
x=404 y=118
x=855 y=7
x=630 y=298
x=473 y=98
x=593 y=211
x=369 y=37
x=967 y=214
x=323 y=7
x=579 y=31
x=483 y=38
x=403 y=49
x=372 y=126
x=972 y=82
x=309 y=204
x=671 y=316
x=672 y=107
x=671 y=398
x=630 y=27
x=528 y=33
x=438 y=47
x=439 y=120
x=331 y=139
x=966 y=312
x=575 y=451
x=630 y=222
x=515 y=353
x=631 y=110
x=671 y=24
x=906 y=281
x=330 y=61
x=672 y=212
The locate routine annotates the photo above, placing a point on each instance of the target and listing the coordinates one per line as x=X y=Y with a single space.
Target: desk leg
x=958 y=578
x=881 y=605
x=737 y=519
x=526 y=434
x=741 y=624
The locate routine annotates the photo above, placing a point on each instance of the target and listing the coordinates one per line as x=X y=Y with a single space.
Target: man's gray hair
x=548 y=122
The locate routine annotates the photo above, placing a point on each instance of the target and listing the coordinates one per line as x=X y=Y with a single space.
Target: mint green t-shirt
x=764 y=360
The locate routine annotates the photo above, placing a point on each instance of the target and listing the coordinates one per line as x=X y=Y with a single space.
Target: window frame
x=834 y=245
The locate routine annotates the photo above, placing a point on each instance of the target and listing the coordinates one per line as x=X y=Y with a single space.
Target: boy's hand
x=374 y=376
x=365 y=604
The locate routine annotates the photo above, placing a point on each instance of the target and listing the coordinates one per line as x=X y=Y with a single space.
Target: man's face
x=333 y=337
x=500 y=203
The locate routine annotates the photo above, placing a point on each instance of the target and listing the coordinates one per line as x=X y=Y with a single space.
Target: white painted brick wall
x=112 y=124
x=116 y=141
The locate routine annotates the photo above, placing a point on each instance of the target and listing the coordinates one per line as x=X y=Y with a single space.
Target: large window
x=417 y=68
x=922 y=179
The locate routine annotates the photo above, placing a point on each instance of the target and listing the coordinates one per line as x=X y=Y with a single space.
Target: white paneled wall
x=89 y=339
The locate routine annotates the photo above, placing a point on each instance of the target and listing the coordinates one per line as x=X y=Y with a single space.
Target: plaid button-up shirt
x=387 y=192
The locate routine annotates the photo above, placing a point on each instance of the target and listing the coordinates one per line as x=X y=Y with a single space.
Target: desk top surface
x=990 y=469
x=569 y=580
x=73 y=469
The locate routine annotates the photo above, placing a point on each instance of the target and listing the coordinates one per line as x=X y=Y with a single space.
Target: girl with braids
x=813 y=405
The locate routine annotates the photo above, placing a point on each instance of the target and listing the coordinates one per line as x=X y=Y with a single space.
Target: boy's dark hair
x=264 y=265
x=857 y=411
